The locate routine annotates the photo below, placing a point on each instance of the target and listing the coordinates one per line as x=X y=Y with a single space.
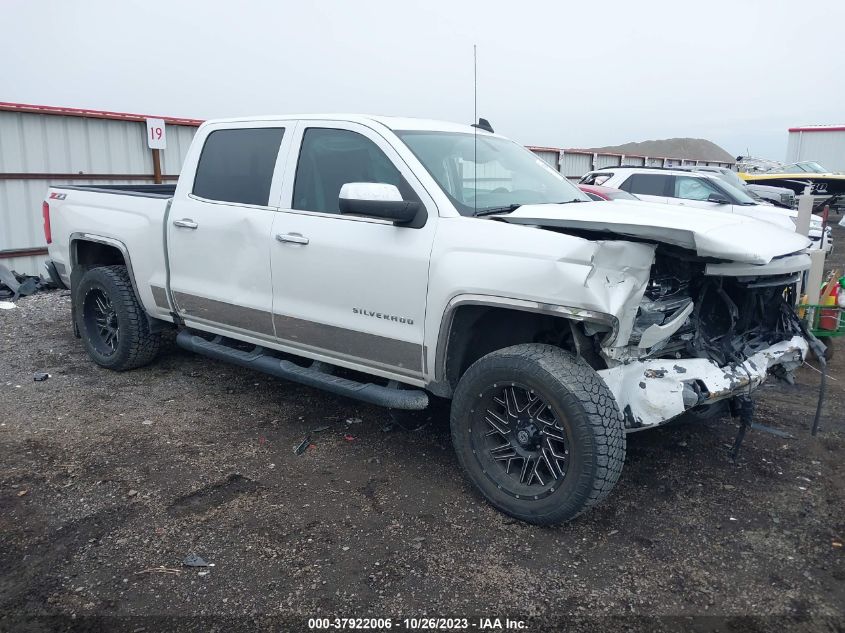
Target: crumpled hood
x=709 y=233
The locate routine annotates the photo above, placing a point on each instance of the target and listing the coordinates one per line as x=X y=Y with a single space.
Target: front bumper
x=655 y=391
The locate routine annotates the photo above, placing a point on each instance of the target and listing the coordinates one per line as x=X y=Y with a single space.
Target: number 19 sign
x=156 y=138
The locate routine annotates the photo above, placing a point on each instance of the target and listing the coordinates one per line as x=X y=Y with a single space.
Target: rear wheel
x=538 y=433
x=111 y=322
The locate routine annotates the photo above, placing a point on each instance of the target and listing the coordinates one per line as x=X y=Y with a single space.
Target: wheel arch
x=475 y=325
x=88 y=250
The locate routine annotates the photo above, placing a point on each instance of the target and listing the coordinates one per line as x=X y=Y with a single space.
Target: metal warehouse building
x=824 y=144
x=42 y=146
x=574 y=163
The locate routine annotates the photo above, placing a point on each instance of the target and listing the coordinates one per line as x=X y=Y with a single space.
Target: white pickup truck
x=396 y=260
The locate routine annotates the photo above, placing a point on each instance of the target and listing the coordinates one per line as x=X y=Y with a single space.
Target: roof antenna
x=483 y=124
x=475 y=132
x=475 y=82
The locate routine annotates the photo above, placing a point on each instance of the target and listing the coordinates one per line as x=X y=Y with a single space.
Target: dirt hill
x=693 y=148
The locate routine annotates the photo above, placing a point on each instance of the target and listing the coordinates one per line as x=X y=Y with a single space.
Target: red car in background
x=597 y=192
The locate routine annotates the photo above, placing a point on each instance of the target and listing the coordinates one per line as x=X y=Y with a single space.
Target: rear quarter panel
x=136 y=222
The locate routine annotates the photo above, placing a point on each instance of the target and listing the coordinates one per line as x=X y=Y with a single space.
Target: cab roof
x=390 y=122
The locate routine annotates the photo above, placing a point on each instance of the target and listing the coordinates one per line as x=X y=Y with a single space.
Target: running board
x=318 y=375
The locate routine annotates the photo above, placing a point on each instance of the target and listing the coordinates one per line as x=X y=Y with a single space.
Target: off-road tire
x=136 y=346
x=582 y=403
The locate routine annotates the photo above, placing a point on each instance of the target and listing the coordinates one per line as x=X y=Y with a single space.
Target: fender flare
x=440 y=385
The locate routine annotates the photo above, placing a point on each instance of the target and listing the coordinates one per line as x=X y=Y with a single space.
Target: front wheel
x=538 y=433
x=111 y=322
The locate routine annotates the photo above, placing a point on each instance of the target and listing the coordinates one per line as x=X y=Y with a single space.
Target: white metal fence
x=43 y=146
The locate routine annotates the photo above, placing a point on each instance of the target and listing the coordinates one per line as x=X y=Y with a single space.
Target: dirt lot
x=109 y=479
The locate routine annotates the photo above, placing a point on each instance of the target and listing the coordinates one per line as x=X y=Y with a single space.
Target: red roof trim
x=537 y=148
x=92 y=114
x=818 y=128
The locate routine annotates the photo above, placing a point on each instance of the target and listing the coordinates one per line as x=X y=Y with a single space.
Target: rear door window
x=646 y=184
x=237 y=165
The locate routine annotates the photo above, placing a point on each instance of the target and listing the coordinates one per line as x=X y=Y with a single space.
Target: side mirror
x=376 y=200
x=718 y=198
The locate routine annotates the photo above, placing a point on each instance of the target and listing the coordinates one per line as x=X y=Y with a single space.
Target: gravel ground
x=110 y=479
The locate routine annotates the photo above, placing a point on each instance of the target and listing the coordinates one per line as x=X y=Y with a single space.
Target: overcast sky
x=563 y=74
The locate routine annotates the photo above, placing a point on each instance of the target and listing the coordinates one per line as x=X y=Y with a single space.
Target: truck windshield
x=482 y=173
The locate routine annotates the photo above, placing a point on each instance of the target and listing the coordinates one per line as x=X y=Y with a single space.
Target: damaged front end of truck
x=703 y=333
x=707 y=313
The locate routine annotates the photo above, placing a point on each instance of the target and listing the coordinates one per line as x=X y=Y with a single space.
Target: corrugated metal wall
x=826 y=147
x=575 y=163
x=42 y=144
x=634 y=161
x=549 y=156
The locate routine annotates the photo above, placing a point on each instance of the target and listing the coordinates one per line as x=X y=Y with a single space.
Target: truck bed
x=147 y=191
x=128 y=217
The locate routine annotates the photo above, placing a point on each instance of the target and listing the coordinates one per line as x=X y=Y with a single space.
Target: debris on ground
x=320 y=429
x=132 y=493
x=772 y=431
x=300 y=448
x=350 y=438
x=7 y=305
x=13 y=285
x=192 y=560
x=417 y=542
x=23 y=493
x=159 y=570
x=351 y=421
x=40 y=376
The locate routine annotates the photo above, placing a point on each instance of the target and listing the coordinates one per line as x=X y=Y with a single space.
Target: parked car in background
x=597 y=192
x=778 y=196
x=697 y=190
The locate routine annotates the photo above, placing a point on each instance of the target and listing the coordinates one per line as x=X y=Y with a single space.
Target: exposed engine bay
x=700 y=337
x=729 y=318
x=700 y=306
